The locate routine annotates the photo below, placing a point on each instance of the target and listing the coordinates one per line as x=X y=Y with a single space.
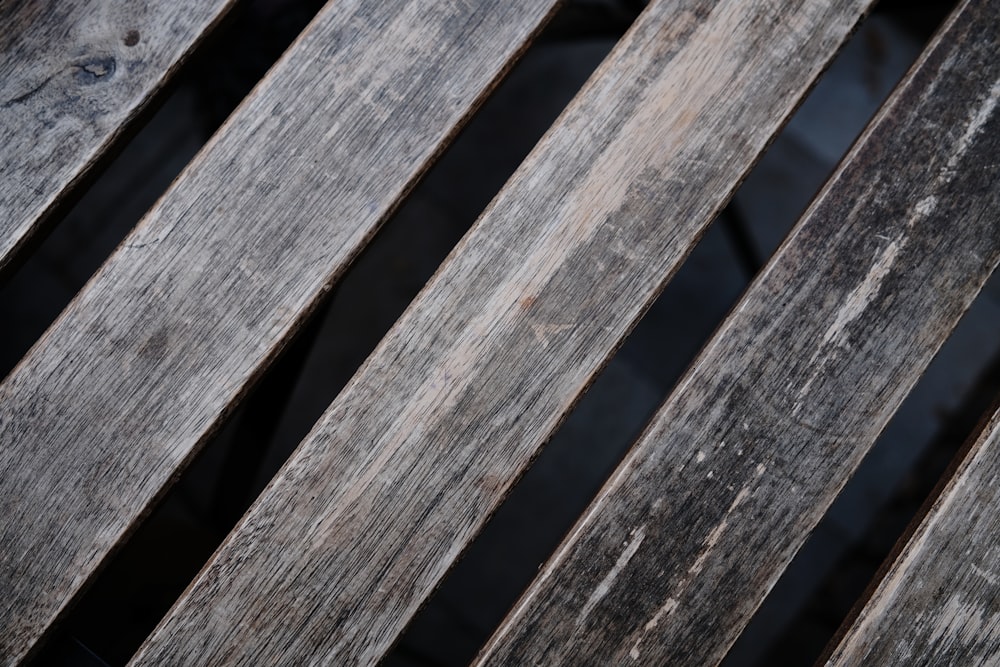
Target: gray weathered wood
x=692 y=530
x=73 y=76
x=132 y=378
x=422 y=444
x=938 y=603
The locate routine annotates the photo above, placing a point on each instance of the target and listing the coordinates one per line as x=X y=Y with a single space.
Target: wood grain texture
x=707 y=509
x=419 y=448
x=939 y=603
x=131 y=379
x=73 y=76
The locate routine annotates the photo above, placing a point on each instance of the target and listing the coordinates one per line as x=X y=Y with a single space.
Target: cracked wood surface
x=938 y=603
x=404 y=468
x=73 y=76
x=129 y=382
x=692 y=530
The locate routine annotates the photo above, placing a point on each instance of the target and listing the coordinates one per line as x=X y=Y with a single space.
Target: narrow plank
x=692 y=530
x=125 y=387
x=937 y=604
x=73 y=78
x=422 y=444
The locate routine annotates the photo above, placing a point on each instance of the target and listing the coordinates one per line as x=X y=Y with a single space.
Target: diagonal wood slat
x=141 y=367
x=937 y=604
x=420 y=447
x=692 y=530
x=73 y=77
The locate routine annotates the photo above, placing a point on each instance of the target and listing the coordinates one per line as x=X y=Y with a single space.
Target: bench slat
x=687 y=537
x=72 y=79
x=419 y=448
x=140 y=368
x=937 y=604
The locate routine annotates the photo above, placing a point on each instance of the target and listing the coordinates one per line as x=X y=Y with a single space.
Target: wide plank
x=404 y=468
x=937 y=604
x=73 y=77
x=141 y=367
x=684 y=541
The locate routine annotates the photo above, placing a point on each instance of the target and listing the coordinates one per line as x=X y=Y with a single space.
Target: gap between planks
x=937 y=603
x=126 y=386
x=402 y=471
x=73 y=79
x=759 y=436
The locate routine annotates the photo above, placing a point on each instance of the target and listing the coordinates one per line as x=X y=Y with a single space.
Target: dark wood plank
x=73 y=77
x=937 y=604
x=422 y=444
x=124 y=388
x=692 y=530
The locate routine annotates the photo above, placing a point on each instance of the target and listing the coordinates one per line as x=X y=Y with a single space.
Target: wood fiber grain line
x=141 y=367
x=403 y=469
x=938 y=603
x=759 y=436
x=73 y=76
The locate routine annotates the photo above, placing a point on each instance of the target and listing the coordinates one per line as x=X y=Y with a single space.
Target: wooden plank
x=73 y=78
x=692 y=530
x=422 y=444
x=937 y=604
x=137 y=372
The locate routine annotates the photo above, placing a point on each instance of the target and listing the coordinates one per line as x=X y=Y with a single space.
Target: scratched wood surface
x=938 y=603
x=419 y=448
x=696 y=525
x=73 y=76
x=131 y=379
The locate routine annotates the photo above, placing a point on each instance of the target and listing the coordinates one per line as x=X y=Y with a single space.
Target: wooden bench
x=365 y=519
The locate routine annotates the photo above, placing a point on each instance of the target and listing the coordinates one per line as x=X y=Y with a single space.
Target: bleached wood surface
x=937 y=604
x=420 y=447
x=741 y=462
x=73 y=76
x=124 y=388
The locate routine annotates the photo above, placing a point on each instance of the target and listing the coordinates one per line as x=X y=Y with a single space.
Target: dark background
x=829 y=574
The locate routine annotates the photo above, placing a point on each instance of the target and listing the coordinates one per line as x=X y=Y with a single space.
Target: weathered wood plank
x=140 y=368
x=696 y=525
x=422 y=444
x=73 y=76
x=938 y=603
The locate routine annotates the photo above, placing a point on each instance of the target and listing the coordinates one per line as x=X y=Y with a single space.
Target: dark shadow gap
x=503 y=560
x=75 y=203
x=816 y=591
x=927 y=482
x=141 y=582
x=126 y=602
x=115 y=613
x=843 y=554
x=83 y=231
